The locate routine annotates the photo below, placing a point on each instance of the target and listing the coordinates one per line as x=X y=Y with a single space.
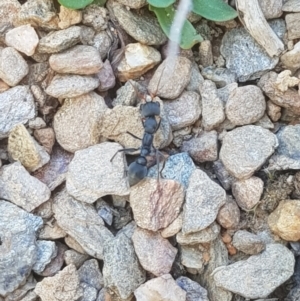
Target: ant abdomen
x=137 y=170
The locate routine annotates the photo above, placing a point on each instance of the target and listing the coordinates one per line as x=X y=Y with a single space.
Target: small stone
x=73 y=257
x=203 y=147
x=271 y=8
x=212 y=107
x=194 y=291
x=245 y=149
x=102 y=42
x=70 y=117
x=291 y=58
x=222 y=77
x=291 y=6
x=59 y=40
x=171 y=77
x=136 y=4
x=9 y=10
x=13 y=67
x=46 y=250
x=160 y=288
x=293 y=25
x=91 y=182
x=173 y=228
x=75 y=217
x=23 y=148
x=137 y=60
x=105 y=211
x=46 y=137
x=3 y=86
x=51 y=232
x=205 y=53
x=95 y=16
x=80 y=59
x=68 y=86
x=106 y=77
x=18 y=186
x=275 y=265
x=64 y=286
x=265 y=122
x=192 y=258
x=183 y=111
x=68 y=17
x=37 y=123
x=90 y=274
x=160 y=260
x=89 y=293
x=23 y=39
x=180 y=136
x=203 y=201
x=121 y=271
x=156 y=204
x=195 y=80
x=247 y=242
x=284 y=221
x=120 y=200
x=87 y=35
x=222 y=174
x=74 y=245
x=126 y=95
x=229 y=214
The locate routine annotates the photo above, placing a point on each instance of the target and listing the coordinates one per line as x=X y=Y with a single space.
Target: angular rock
x=271 y=8
x=95 y=16
x=245 y=149
x=68 y=17
x=80 y=59
x=46 y=137
x=212 y=107
x=87 y=109
x=222 y=174
x=59 y=40
x=265 y=122
x=102 y=42
x=275 y=265
x=173 y=228
x=192 y=258
x=203 y=201
x=90 y=274
x=136 y=4
x=9 y=11
x=247 y=242
x=64 y=286
x=160 y=288
x=87 y=181
x=121 y=271
x=220 y=76
x=74 y=245
x=106 y=77
x=13 y=67
x=293 y=25
x=137 y=60
x=37 y=123
x=160 y=260
x=180 y=135
x=89 y=293
x=51 y=232
x=284 y=221
x=291 y=6
x=194 y=291
x=203 y=147
x=183 y=111
x=195 y=79
x=73 y=257
x=3 y=86
x=170 y=78
x=75 y=218
x=67 y=86
x=291 y=58
x=18 y=251
x=229 y=214
x=23 y=148
x=205 y=53
x=156 y=204
x=18 y=186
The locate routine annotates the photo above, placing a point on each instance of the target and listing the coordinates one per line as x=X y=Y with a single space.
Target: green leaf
x=165 y=17
x=99 y=2
x=161 y=3
x=75 y=4
x=215 y=10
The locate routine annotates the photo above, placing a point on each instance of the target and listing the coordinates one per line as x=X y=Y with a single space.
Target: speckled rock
x=229 y=214
x=51 y=231
x=220 y=76
x=291 y=6
x=150 y=198
x=223 y=175
x=68 y=17
x=9 y=11
x=194 y=291
x=70 y=117
x=73 y=244
x=90 y=274
x=203 y=201
x=18 y=186
x=245 y=149
x=293 y=24
x=195 y=80
x=106 y=77
x=102 y=42
x=271 y=8
x=95 y=16
x=74 y=257
x=173 y=228
x=87 y=181
x=46 y=137
x=191 y=256
x=37 y=123
x=136 y=4
x=247 y=242
x=291 y=58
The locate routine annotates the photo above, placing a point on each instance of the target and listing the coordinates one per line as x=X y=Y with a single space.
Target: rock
x=73 y=244
x=247 y=242
x=183 y=111
x=194 y=291
x=173 y=228
x=244 y=56
x=73 y=257
x=18 y=186
x=229 y=214
x=17 y=106
x=203 y=201
x=51 y=232
x=23 y=148
x=70 y=117
x=180 y=136
x=245 y=105
x=265 y=122
x=212 y=107
x=220 y=76
x=290 y=59
x=105 y=211
x=287 y=154
x=195 y=79
x=126 y=95
x=275 y=265
x=68 y=86
x=160 y=288
x=89 y=293
x=3 y=86
x=80 y=59
x=273 y=111
x=37 y=123
x=284 y=221
x=64 y=286
x=205 y=53
x=203 y=147
x=121 y=271
x=170 y=78
x=46 y=137
x=245 y=149
x=160 y=260
x=137 y=60
x=120 y=200
x=75 y=217
x=292 y=24
x=192 y=258
x=12 y=66
x=222 y=174
x=68 y=17
x=39 y=13
x=156 y=204
x=87 y=181
x=143 y=28
x=87 y=35
x=9 y=11
x=46 y=250
x=202 y=237
x=106 y=77
x=102 y=42
x=291 y=6
x=95 y=16
x=90 y=274
x=23 y=39
x=18 y=250
x=271 y=8
x=136 y=4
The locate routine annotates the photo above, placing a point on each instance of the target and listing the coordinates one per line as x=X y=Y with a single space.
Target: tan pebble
x=231 y=249
x=226 y=238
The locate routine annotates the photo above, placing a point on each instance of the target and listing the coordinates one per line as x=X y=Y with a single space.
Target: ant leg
x=134 y=136
x=158 y=125
x=124 y=150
